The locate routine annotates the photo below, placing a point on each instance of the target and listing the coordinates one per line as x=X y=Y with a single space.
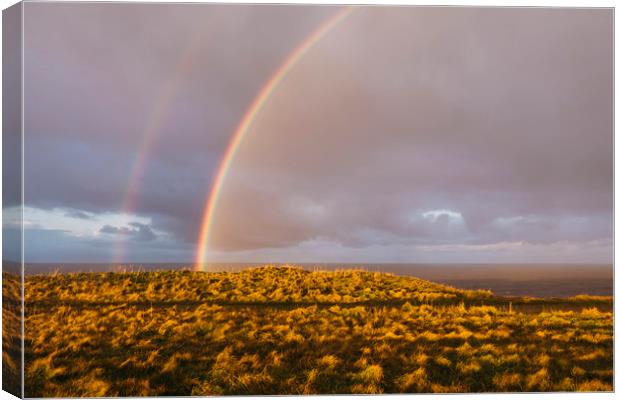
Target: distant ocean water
x=539 y=280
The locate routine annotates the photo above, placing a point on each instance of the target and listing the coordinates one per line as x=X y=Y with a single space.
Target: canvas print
x=273 y=199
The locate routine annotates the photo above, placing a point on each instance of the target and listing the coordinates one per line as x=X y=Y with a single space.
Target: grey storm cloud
x=114 y=230
x=136 y=230
x=500 y=117
x=78 y=214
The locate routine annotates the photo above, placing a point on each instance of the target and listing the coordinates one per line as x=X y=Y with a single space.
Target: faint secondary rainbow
x=149 y=133
x=246 y=122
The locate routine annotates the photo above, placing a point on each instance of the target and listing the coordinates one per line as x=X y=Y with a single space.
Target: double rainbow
x=246 y=122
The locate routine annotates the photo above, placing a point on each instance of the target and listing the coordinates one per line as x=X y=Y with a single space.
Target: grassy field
x=287 y=331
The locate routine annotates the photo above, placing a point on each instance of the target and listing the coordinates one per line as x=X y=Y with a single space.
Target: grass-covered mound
x=289 y=331
x=256 y=285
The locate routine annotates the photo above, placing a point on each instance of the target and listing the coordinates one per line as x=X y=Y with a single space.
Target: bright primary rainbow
x=246 y=122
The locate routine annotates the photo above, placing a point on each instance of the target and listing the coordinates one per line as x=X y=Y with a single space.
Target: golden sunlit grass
x=288 y=331
x=11 y=333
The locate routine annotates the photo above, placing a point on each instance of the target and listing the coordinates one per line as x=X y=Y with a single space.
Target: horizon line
x=190 y=263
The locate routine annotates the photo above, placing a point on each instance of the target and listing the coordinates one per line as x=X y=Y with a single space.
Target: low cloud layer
x=136 y=230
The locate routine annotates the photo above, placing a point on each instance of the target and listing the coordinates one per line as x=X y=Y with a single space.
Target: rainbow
x=246 y=122
x=149 y=134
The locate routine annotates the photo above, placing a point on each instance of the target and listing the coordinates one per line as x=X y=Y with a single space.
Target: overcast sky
x=405 y=134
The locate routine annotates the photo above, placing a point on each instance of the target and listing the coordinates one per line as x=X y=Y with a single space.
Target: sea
x=536 y=280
